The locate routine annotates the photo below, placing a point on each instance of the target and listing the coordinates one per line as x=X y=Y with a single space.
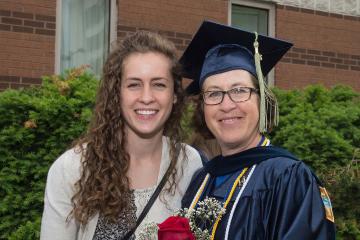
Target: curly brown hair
x=104 y=186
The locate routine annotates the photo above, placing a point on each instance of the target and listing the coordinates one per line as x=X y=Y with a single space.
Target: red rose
x=175 y=228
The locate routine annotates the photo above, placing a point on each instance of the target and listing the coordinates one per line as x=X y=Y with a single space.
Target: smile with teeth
x=229 y=120
x=146 y=111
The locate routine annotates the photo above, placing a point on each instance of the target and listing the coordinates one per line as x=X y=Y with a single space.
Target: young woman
x=98 y=189
x=266 y=191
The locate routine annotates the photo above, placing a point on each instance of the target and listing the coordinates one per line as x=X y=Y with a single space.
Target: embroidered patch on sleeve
x=327 y=204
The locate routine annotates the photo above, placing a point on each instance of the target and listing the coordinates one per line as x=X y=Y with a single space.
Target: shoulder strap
x=148 y=206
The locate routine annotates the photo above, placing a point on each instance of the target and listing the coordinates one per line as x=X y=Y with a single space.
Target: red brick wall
x=27 y=40
x=176 y=19
x=183 y=16
x=326 y=48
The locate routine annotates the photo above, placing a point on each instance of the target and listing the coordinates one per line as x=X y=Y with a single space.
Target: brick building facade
x=325 y=33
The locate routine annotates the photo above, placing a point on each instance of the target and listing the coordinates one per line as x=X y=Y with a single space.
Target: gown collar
x=222 y=165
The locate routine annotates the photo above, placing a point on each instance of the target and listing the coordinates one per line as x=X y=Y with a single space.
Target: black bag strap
x=148 y=206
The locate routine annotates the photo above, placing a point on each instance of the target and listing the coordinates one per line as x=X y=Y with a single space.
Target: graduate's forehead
x=228 y=80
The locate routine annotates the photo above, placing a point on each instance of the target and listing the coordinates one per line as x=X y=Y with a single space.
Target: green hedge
x=320 y=126
x=36 y=126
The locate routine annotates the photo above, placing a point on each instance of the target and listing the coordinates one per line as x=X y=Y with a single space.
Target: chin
x=229 y=142
x=232 y=139
x=147 y=133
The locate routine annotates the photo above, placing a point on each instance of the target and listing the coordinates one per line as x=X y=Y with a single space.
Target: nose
x=227 y=104
x=147 y=95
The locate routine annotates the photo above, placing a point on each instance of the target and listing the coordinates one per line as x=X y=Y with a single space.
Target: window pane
x=84 y=33
x=250 y=19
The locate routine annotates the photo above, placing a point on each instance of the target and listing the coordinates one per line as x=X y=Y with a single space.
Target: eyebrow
x=132 y=79
x=217 y=88
x=212 y=88
x=151 y=80
x=160 y=78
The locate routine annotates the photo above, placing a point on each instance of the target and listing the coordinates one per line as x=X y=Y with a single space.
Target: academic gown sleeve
x=295 y=207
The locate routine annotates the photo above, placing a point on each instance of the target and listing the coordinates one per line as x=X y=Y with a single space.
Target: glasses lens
x=213 y=97
x=239 y=94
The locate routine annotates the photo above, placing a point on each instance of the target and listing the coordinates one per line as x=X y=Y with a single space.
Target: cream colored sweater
x=65 y=171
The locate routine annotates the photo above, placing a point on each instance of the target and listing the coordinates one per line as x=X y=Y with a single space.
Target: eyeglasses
x=238 y=94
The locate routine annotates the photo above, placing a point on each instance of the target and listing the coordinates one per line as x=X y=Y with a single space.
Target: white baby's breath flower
x=149 y=232
x=204 y=216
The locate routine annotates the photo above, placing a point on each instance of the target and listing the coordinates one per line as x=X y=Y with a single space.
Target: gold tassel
x=267 y=98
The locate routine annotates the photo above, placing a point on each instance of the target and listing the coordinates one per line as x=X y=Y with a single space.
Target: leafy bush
x=36 y=126
x=320 y=126
x=27 y=231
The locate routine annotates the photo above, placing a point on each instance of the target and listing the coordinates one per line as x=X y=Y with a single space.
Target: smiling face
x=234 y=125
x=147 y=93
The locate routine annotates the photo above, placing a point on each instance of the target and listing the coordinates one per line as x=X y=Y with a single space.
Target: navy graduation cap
x=217 y=48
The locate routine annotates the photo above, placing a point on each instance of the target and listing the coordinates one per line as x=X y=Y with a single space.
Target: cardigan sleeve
x=57 y=203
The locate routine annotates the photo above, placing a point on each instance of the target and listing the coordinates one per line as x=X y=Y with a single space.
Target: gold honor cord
x=236 y=182
x=199 y=192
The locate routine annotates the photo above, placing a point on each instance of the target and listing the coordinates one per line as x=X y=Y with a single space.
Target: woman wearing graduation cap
x=266 y=191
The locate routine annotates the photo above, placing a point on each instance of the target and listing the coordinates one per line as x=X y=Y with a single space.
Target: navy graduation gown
x=280 y=201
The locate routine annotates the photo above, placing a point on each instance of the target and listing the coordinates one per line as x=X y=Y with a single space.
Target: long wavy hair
x=104 y=186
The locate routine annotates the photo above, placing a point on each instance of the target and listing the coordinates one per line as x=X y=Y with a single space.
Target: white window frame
x=270 y=6
x=112 y=32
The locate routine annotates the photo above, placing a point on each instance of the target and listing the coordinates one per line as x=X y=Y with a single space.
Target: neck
x=145 y=159
x=144 y=149
x=229 y=149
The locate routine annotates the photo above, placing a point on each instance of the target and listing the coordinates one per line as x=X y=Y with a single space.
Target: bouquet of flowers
x=186 y=224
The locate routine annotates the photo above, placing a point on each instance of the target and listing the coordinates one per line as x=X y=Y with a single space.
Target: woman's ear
x=175 y=99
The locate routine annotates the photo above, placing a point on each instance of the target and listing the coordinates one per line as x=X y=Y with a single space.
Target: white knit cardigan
x=66 y=170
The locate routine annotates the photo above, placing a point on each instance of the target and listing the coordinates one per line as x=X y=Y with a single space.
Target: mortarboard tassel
x=267 y=98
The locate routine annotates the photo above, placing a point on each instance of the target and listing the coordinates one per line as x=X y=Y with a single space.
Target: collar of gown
x=222 y=165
